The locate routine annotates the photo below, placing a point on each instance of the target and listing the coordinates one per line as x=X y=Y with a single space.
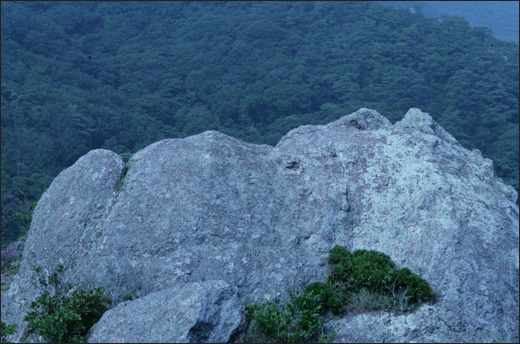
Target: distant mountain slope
x=500 y=16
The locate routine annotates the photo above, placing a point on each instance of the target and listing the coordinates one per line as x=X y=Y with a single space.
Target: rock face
x=201 y=225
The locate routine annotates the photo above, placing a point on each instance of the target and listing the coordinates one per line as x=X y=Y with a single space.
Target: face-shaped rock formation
x=209 y=222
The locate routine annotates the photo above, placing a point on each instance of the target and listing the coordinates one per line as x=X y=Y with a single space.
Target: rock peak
x=422 y=121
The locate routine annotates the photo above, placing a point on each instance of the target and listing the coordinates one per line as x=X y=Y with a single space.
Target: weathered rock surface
x=262 y=219
x=194 y=312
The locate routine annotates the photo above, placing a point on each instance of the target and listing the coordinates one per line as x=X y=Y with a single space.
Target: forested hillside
x=500 y=16
x=78 y=76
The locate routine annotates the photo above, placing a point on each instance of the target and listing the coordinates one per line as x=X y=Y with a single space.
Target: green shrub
x=417 y=289
x=375 y=272
x=363 y=280
x=11 y=268
x=329 y=299
x=296 y=321
x=8 y=271
x=15 y=265
x=66 y=314
x=362 y=269
x=7 y=330
x=338 y=254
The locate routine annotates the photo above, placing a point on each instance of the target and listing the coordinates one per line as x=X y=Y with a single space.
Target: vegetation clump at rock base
x=361 y=280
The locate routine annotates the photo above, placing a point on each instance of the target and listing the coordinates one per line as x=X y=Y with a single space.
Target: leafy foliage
x=375 y=271
x=64 y=314
x=8 y=272
x=363 y=280
x=296 y=321
x=7 y=330
x=330 y=298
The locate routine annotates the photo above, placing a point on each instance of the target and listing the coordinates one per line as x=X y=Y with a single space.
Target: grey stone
x=198 y=312
x=422 y=121
x=212 y=208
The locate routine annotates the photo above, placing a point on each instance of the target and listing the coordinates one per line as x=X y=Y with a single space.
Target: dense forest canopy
x=78 y=76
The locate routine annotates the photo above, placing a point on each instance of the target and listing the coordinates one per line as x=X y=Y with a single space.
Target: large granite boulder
x=210 y=217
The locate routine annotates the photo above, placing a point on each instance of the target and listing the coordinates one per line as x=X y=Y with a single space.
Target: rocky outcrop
x=209 y=215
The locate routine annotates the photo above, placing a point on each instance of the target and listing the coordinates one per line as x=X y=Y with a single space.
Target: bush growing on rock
x=375 y=272
x=330 y=295
x=66 y=315
x=366 y=279
x=295 y=322
x=7 y=330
